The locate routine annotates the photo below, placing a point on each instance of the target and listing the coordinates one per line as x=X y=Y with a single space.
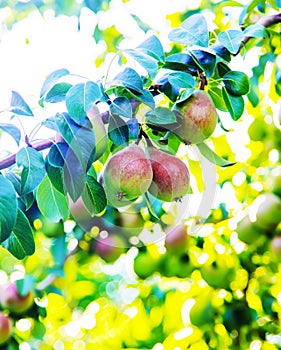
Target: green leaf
x=80 y=98
x=181 y=61
x=235 y=105
x=134 y=128
x=59 y=252
x=11 y=130
x=161 y=115
x=256 y=31
x=205 y=60
x=193 y=31
x=121 y=106
x=181 y=80
x=51 y=203
x=19 y=106
x=92 y=94
x=231 y=39
x=25 y=285
x=55 y=175
x=33 y=168
x=222 y=69
x=28 y=198
x=212 y=157
x=8 y=208
x=62 y=156
x=58 y=92
x=81 y=138
x=185 y=94
x=216 y=95
x=118 y=130
x=150 y=208
x=129 y=79
x=153 y=47
x=171 y=91
x=94 y=196
x=222 y=52
x=21 y=241
x=145 y=97
x=52 y=79
x=147 y=62
x=236 y=83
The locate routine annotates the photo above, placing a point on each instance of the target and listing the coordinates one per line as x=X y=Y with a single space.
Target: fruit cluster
x=130 y=173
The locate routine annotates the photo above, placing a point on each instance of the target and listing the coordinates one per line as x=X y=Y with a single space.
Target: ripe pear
x=275 y=247
x=99 y=131
x=11 y=299
x=127 y=175
x=110 y=247
x=171 y=178
x=197 y=118
x=6 y=327
x=176 y=239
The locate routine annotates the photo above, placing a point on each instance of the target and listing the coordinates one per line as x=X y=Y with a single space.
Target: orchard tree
x=117 y=229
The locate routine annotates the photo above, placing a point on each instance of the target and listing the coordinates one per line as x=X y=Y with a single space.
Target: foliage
x=105 y=277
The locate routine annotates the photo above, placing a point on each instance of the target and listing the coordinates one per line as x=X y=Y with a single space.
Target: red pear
x=127 y=175
x=5 y=328
x=176 y=239
x=11 y=299
x=171 y=177
x=197 y=118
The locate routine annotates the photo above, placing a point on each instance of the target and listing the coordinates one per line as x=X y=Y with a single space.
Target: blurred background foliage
x=221 y=289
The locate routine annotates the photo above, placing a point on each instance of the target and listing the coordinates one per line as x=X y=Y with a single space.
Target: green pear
x=202 y=312
x=171 y=178
x=145 y=264
x=6 y=327
x=219 y=274
x=176 y=265
x=99 y=132
x=247 y=231
x=197 y=118
x=127 y=175
x=265 y=211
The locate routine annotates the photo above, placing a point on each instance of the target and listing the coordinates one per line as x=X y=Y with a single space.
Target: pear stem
x=146 y=137
x=203 y=81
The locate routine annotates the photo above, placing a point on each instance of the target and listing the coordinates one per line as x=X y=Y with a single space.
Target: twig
x=38 y=145
x=266 y=21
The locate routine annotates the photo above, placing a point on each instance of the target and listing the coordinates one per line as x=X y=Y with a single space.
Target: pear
x=171 y=179
x=6 y=328
x=99 y=132
x=197 y=118
x=127 y=175
x=265 y=211
x=176 y=239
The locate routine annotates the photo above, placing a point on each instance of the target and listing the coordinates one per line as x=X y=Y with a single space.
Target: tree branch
x=38 y=145
x=266 y=21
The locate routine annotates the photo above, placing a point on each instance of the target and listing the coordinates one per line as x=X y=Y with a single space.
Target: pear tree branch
x=266 y=21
